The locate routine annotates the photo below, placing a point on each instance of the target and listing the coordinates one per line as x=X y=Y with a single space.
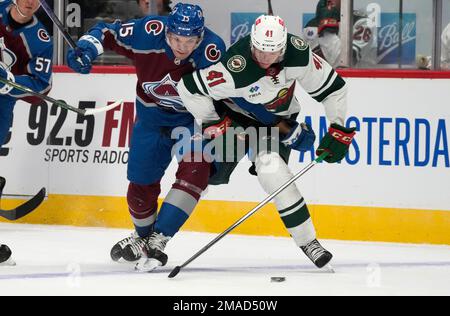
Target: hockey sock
x=143 y=206
x=191 y=181
x=272 y=171
x=298 y=222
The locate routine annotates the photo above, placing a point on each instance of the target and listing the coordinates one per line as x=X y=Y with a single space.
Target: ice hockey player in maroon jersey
x=26 y=53
x=163 y=49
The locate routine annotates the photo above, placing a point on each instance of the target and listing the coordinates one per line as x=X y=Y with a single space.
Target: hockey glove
x=5 y=74
x=337 y=142
x=88 y=49
x=218 y=128
x=301 y=137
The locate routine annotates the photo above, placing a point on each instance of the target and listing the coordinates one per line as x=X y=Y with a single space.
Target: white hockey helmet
x=269 y=34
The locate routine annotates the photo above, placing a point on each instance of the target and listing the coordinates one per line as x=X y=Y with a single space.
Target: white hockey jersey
x=365 y=44
x=445 y=51
x=239 y=76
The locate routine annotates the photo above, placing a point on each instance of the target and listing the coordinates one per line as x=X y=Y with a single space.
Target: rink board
x=332 y=222
x=393 y=186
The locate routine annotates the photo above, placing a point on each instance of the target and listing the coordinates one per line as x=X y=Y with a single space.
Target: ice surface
x=75 y=261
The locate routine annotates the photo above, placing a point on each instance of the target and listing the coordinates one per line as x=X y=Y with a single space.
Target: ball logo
x=241 y=24
x=154 y=27
x=212 y=53
x=43 y=35
x=391 y=42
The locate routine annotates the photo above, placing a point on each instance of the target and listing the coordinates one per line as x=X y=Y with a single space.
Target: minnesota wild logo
x=237 y=63
x=298 y=43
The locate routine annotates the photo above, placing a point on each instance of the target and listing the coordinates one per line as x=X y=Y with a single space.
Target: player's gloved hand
x=81 y=58
x=218 y=128
x=5 y=74
x=301 y=137
x=336 y=142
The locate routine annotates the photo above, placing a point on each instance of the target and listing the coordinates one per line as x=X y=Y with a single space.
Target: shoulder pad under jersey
x=37 y=38
x=297 y=52
x=210 y=51
x=3 y=5
x=150 y=32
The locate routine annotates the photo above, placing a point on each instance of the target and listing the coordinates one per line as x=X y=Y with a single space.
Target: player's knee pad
x=193 y=175
x=143 y=198
x=273 y=172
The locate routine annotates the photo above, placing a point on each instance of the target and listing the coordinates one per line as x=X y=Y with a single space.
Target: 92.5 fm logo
x=46 y=125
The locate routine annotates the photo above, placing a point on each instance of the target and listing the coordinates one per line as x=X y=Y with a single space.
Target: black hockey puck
x=5 y=253
x=277 y=279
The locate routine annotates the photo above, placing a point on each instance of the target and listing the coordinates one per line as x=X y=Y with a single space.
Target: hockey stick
x=24 y=209
x=177 y=269
x=60 y=103
x=61 y=29
x=58 y=24
x=270 y=11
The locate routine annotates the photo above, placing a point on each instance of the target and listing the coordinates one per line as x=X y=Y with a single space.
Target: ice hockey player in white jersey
x=425 y=62
x=445 y=51
x=325 y=42
x=259 y=73
x=328 y=20
x=365 y=45
x=311 y=34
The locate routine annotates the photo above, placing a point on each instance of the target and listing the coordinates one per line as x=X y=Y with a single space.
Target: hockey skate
x=153 y=255
x=5 y=256
x=134 y=251
x=117 y=252
x=317 y=254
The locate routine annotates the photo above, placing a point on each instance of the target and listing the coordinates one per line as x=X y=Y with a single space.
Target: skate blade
x=147 y=265
x=8 y=263
x=122 y=261
x=328 y=269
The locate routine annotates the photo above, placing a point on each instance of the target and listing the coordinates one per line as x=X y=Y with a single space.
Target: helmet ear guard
x=269 y=34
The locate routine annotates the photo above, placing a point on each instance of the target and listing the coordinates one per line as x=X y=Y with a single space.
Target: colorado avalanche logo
x=166 y=92
x=7 y=56
x=43 y=35
x=212 y=54
x=154 y=27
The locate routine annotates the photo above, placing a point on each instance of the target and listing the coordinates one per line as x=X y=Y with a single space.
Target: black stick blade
x=24 y=209
x=174 y=272
x=270 y=10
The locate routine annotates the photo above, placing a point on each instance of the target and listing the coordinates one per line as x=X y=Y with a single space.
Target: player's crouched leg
x=191 y=180
x=272 y=173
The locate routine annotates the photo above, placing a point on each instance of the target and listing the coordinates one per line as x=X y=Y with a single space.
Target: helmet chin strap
x=18 y=11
